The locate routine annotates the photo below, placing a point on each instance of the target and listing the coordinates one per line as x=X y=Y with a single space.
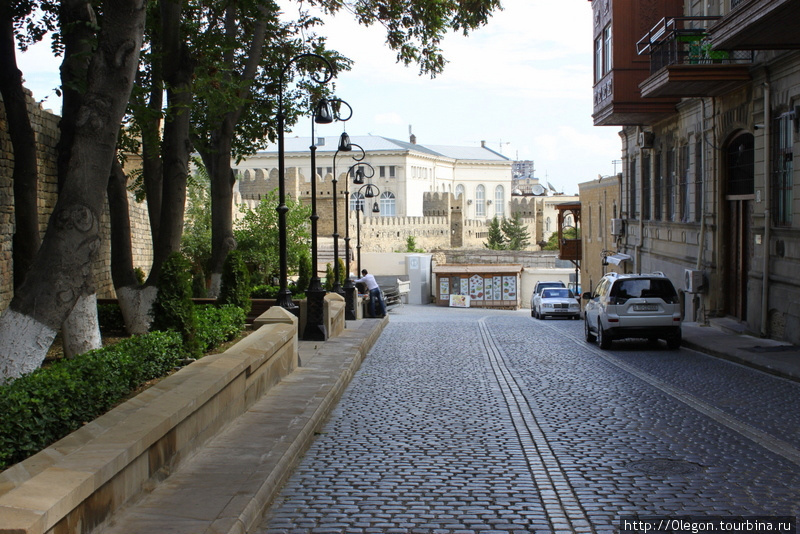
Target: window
x=669 y=186
x=598 y=59
x=607 y=50
x=600 y=222
x=647 y=188
x=382 y=171
x=459 y=191
x=632 y=190
x=658 y=209
x=783 y=168
x=392 y=171
x=388 y=208
x=683 y=184
x=499 y=201
x=357 y=202
x=480 y=201
x=698 y=180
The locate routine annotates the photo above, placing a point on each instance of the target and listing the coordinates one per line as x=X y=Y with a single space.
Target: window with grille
x=698 y=180
x=647 y=188
x=632 y=207
x=783 y=166
x=388 y=204
x=499 y=201
x=658 y=184
x=683 y=183
x=480 y=201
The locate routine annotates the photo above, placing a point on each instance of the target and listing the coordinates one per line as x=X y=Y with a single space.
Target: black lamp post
x=370 y=191
x=315 y=294
x=344 y=146
x=284 y=295
x=349 y=285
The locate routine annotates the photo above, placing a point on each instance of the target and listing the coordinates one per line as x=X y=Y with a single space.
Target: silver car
x=556 y=302
x=633 y=306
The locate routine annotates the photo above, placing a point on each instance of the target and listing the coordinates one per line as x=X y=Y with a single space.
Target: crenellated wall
x=45 y=126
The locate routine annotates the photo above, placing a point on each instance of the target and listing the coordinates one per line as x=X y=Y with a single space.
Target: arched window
x=387 y=204
x=480 y=201
x=500 y=201
x=459 y=191
x=357 y=202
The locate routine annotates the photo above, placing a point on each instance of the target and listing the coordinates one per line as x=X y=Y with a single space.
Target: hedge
x=42 y=407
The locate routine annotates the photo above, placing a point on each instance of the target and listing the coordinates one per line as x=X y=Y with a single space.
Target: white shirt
x=369 y=280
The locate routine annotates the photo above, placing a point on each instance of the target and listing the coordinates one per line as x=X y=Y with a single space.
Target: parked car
x=537 y=289
x=633 y=306
x=556 y=302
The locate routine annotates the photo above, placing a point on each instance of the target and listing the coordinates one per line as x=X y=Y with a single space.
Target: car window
x=557 y=294
x=644 y=288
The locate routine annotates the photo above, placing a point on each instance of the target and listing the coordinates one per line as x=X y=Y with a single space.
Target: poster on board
x=459 y=301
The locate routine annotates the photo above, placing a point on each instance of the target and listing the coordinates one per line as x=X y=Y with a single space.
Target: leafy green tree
x=515 y=232
x=497 y=240
x=257 y=236
x=196 y=238
x=173 y=308
x=329 y=277
x=552 y=241
x=235 y=288
x=411 y=245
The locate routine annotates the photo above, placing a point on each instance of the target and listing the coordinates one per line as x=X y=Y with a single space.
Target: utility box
x=418 y=268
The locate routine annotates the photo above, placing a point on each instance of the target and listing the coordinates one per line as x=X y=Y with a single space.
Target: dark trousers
x=375 y=298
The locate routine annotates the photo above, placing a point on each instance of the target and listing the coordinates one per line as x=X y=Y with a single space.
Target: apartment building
x=707 y=95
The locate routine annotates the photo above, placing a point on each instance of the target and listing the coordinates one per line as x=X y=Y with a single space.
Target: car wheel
x=533 y=313
x=674 y=342
x=602 y=338
x=588 y=332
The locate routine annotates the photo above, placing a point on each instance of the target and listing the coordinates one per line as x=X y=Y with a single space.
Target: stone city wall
x=45 y=125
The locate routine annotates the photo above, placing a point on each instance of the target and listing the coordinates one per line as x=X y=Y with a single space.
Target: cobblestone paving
x=470 y=421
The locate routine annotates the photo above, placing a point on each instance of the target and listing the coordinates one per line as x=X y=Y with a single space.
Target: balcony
x=683 y=62
x=758 y=25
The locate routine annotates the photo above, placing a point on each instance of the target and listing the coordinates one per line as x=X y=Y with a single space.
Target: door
x=736 y=238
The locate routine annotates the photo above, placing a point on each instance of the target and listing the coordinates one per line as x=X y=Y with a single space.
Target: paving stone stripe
x=562 y=506
x=764 y=439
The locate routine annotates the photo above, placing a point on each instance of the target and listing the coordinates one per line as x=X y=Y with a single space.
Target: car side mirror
x=587 y=296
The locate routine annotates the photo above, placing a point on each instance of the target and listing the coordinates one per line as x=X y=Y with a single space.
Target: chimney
x=483 y=144
x=411 y=137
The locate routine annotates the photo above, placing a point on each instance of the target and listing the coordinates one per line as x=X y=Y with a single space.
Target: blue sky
x=523 y=84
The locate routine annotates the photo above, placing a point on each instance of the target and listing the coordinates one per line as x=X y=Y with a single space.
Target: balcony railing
x=684 y=41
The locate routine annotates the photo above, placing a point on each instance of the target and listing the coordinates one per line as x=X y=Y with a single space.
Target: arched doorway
x=739 y=197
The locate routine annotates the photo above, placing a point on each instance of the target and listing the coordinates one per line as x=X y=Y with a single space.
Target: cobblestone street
x=465 y=421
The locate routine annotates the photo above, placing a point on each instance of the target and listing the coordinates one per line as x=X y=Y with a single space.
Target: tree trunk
x=135 y=301
x=178 y=72
x=62 y=271
x=218 y=164
x=26 y=238
x=81 y=331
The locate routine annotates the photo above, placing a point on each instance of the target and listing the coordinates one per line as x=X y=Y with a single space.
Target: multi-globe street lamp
x=344 y=146
x=359 y=171
x=284 y=298
x=315 y=294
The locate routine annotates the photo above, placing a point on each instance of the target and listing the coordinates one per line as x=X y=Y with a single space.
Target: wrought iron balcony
x=684 y=63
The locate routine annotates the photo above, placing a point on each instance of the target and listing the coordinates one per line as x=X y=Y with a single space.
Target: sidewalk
x=225 y=486
x=724 y=338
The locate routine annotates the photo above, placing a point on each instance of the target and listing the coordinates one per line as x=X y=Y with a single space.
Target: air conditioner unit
x=646 y=139
x=693 y=281
x=617 y=227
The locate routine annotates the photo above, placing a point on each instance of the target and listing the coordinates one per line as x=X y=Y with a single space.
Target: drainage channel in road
x=561 y=505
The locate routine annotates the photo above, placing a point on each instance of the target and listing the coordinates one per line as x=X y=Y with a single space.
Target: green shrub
x=218 y=325
x=264 y=291
x=304 y=272
x=329 y=277
x=110 y=318
x=49 y=403
x=173 y=308
x=235 y=283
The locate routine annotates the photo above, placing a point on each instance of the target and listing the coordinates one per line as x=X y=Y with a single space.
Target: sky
x=522 y=83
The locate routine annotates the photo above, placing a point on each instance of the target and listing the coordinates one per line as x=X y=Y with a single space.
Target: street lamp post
x=284 y=295
x=344 y=146
x=370 y=191
x=315 y=294
x=349 y=285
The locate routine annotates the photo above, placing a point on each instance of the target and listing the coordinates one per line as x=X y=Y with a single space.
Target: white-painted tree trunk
x=81 y=331
x=27 y=339
x=216 y=285
x=136 y=304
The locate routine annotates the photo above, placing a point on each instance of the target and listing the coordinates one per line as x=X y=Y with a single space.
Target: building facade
x=600 y=230
x=707 y=94
x=403 y=171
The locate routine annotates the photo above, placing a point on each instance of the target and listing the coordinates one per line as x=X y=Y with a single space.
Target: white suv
x=631 y=306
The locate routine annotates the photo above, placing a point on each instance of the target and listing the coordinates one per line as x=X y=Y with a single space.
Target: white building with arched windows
x=403 y=171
